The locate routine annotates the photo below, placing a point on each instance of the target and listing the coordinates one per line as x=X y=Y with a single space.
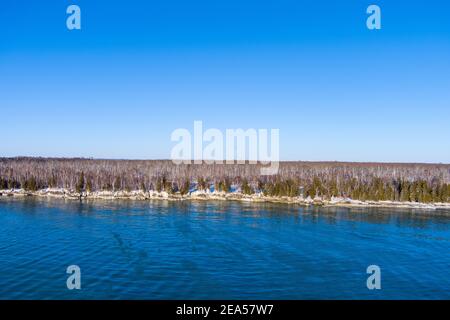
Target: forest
x=415 y=182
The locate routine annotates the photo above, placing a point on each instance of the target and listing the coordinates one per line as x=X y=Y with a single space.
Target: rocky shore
x=206 y=195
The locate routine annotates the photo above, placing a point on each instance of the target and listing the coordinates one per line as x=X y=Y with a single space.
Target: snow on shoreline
x=208 y=195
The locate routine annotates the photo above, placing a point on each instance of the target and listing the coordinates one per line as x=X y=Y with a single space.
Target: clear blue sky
x=140 y=69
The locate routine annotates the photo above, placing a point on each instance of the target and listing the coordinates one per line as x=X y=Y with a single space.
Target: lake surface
x=219 y=250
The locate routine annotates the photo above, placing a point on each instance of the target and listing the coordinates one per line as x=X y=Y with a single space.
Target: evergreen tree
x=3 y=184
x=185 y=185
x=224 y=185
x=117 y=184
x=311 y=191
x=89 y=185
x=245 y=187
x=79 y=188
x=405 y=191
x=159 y=185
x=52 y=182
x=333 y=188
x=107 y=186
x=201 y=184
x=30 y=184
x=168 y=187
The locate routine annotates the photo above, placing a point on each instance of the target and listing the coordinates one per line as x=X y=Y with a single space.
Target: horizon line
x=204 y=163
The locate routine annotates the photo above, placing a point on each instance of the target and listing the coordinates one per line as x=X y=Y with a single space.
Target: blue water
x=219 y=250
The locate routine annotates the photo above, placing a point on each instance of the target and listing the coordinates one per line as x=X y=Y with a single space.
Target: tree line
x=359 y=181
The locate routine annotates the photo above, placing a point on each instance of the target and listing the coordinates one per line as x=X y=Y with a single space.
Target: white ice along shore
x=235 y=195
x=235 y=146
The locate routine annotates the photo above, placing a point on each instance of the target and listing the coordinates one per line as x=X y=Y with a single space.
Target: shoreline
x=60 y=193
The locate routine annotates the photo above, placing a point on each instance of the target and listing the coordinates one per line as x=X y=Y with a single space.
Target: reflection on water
x=219 y=250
